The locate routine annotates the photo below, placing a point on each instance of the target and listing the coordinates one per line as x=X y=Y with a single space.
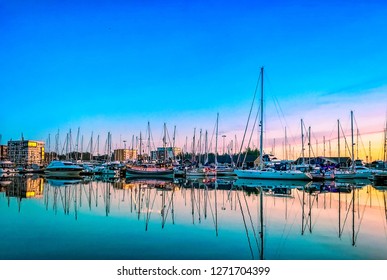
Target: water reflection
x=268 y=214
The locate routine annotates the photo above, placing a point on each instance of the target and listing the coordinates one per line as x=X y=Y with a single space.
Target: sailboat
x=151 y=169
x=354 y=172
x=380 y=176
x=269 y=173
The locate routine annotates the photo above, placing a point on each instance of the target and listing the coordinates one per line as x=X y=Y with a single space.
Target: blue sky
x=115 y=65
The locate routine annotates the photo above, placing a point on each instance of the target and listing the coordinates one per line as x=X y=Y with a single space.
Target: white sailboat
x=269 y=173
x=354 y=172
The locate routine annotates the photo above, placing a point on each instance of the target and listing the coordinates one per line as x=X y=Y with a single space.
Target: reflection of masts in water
x=307 y=218
x=261 y=221
x=193 y=205
x=107 y=198
x=260 y=248
x=201 y=202
x=170 y=208
x=196 y=201
x=167 y=205
x=46 y=194
x=351 y=206
x=385 y=204
x=139 y=200
x=340 y=231
x=75 y=204
x=351 y=209
x=216 y=206
x=63 y=194
x=148 y=206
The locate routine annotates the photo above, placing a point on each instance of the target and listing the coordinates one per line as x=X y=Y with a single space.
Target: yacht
x=59 y=168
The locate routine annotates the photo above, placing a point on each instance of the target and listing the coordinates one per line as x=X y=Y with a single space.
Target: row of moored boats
x=59 y=168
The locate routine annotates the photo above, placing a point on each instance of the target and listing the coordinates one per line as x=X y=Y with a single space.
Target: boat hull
x=63 y=173
x=276 y=175
x=149 y=173
x=353 y=175
x=267 y=183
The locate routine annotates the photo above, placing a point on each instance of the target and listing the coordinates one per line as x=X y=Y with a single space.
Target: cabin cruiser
x=59 y=168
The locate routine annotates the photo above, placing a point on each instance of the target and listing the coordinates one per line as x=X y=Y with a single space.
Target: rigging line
x=346 y=142
x=361 y=139
x=276 y=103
x=248 y=119
x=268 y=82
x=251 y=136
x=246 y=229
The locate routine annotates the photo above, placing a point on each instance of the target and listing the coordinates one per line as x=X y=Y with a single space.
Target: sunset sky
x=112 y=66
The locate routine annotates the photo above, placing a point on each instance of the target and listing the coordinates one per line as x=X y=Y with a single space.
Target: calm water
x=151 y=219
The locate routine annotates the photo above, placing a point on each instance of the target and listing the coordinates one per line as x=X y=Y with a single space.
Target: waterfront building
x=3 y=152
x=26 y=152
x=167 y=153
x=125 y=155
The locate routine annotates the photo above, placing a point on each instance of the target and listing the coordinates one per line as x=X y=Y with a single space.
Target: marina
x=103 y=218
x=193 y=138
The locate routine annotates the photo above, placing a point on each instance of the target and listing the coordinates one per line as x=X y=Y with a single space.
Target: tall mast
x=149 y=142
x=309 y=146
x=385 y=144
x=173 y=143
x=193 y=146
x=165 y=142
x=357 y=143
x=302 y=142
x=206 y=147
x=140 y=146
x=81 y=148
x=353 y=143
x=338 y=142
x=91 y=146
x=77 y=145
x=200 y=146
x=57 y=145
x=286 y=145
x=216 y=139
x=324 y=146
x=49 y=147
x=261 y=123
x=70 y=145
x=98 y=145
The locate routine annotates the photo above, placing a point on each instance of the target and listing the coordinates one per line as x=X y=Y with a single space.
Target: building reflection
x=25 y=187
